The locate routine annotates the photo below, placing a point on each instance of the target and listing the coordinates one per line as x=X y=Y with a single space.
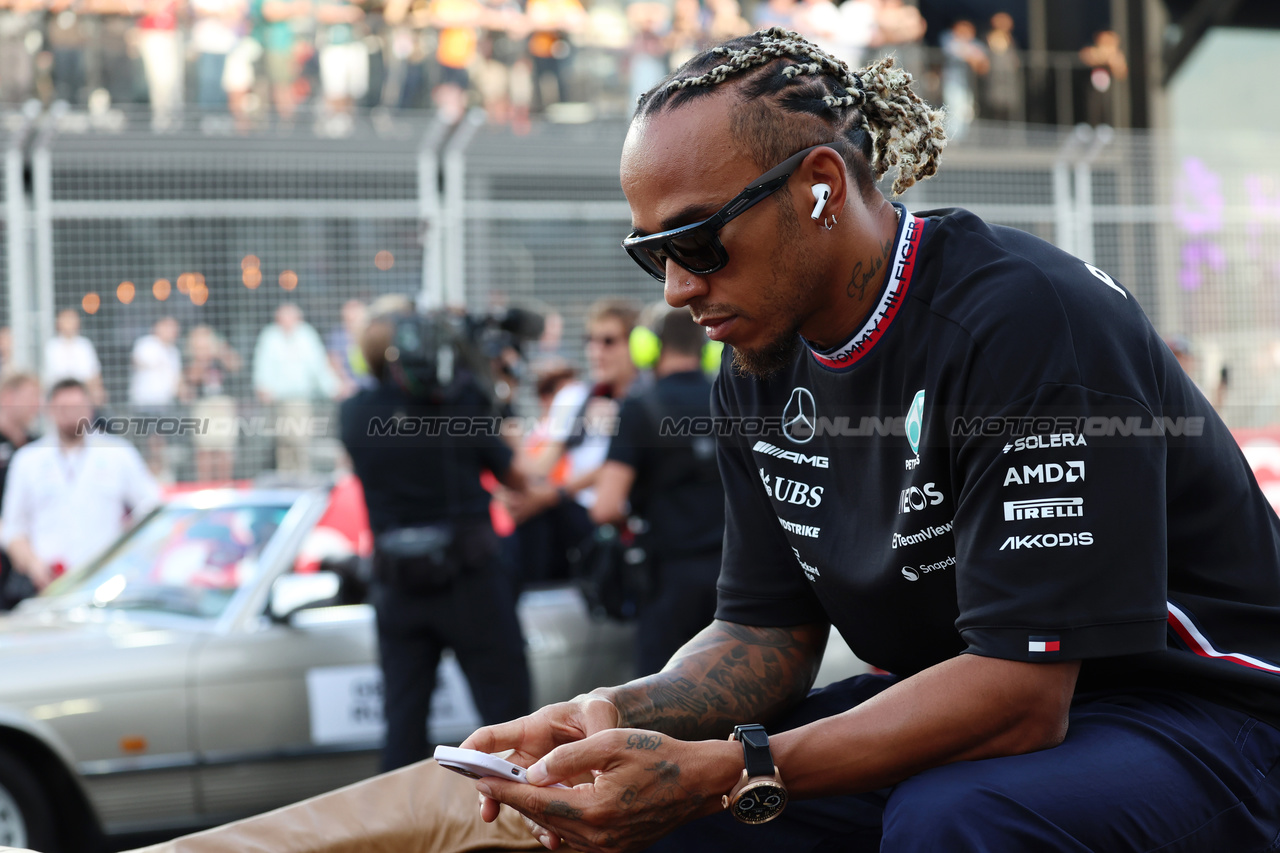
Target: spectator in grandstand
x=344 y=59
x=6 y=350
x=963 y=60
x=651 y=33
x=673 y=484
x=456 y=21
x=553 y=23
x=210 y=363
x=343 y=349
x=290 y=373
x=820 y=22
x=67 y=495
x=1107 y=65
x=70 y=355
x=776 y=13
x=273 y=28
x=859 y=30
x=1002 y=99
x=215 y=33
x=504 y=79
x=19 y=408
x=67 y=37
x=19 y=19
x=160 y=44
x=726 y=21
x=155 y=383
x=554 y=517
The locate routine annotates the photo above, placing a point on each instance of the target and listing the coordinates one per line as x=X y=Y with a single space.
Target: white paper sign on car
x=346 y=704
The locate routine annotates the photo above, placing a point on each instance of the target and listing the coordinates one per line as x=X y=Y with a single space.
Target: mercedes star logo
x=800 y=417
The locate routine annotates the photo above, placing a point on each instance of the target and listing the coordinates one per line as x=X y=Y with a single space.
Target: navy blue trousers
x=1144 y=770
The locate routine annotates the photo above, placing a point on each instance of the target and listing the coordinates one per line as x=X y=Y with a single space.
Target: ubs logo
x=800 y=417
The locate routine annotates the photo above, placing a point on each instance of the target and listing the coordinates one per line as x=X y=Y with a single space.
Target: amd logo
x=1049 y=472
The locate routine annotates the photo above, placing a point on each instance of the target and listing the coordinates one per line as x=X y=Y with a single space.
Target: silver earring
x=833 y=222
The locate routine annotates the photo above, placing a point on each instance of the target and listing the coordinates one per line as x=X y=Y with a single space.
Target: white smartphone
x=476 y=765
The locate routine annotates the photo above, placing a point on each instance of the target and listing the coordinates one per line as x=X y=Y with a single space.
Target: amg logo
x=1044 y=508
x=1049 y=472
x=914 y=498
x=791 y=456
x=1035 y=442
x=1047 y=540
x=800 y=529
x=923 y=536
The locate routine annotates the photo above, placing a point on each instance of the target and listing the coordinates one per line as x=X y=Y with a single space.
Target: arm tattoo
x=857 y=287
x=728 y=674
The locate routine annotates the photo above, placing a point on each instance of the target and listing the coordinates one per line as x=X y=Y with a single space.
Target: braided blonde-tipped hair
x=873 y=111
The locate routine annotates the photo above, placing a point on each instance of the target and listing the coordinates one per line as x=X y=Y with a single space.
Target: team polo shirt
x=1004 y=460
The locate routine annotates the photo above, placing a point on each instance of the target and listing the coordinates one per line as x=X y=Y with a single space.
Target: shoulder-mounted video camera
x=435 y=355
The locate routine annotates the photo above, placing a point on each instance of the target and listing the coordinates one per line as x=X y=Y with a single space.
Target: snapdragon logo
x=1047 y=540
x=913 y=574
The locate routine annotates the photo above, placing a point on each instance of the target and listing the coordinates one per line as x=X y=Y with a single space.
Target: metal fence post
x=1096 y=139
x=430 y=214
x=1064 y=218
x=42 y=204
x=455 y=209
x=19 y=245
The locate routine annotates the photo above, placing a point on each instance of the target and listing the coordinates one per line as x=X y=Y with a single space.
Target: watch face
x=760 y=802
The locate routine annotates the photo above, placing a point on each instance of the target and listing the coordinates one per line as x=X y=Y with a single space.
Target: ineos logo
x=800 y=417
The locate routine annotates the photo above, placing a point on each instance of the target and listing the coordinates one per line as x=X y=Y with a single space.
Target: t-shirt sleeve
x=761 y=581
x=634 y=432
x=1060 y=533
x=565 y=408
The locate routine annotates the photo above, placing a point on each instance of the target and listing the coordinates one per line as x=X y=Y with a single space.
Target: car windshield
x=180 y=559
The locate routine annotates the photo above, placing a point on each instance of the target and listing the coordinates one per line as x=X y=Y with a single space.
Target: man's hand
x=644 y=785
x=536 y=735
x=533 y=502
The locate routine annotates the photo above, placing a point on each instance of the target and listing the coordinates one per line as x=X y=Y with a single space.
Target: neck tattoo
x=865 y=272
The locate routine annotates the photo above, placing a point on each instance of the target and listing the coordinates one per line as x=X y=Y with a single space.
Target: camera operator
x=672 y=482
x=438 y=582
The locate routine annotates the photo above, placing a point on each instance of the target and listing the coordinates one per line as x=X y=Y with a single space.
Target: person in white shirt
x=70 y=355
x=157 y=367
x=291 y=371
x=155 y=384
x=68 y=495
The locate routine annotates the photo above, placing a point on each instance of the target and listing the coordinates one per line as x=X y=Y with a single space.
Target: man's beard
x=795 y=279
x=769 y=359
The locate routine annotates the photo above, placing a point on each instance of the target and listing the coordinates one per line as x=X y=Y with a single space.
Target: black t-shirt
x=1006 y=460
x=677 y=487
x=420 y=463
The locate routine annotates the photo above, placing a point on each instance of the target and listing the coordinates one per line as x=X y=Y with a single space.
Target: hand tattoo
x=559 y=808
x=649 y=742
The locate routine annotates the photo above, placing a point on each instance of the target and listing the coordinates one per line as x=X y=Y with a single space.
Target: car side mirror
x=291 y=593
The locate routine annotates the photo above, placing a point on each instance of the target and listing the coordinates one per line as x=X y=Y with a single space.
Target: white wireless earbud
x=821 y=192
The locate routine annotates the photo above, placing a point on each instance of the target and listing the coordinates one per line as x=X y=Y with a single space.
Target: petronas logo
x=915 y=421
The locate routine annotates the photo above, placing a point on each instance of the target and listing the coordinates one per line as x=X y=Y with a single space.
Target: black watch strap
x=755 y=749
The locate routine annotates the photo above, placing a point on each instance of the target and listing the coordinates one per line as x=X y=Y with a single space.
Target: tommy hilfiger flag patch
x=1043 y=645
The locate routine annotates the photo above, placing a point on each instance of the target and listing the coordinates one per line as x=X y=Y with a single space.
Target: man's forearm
x=726 y=675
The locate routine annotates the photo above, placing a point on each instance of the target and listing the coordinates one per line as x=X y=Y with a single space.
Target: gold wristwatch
x=759 y=796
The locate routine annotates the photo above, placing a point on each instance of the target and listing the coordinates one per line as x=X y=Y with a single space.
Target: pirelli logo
x=1044 y=508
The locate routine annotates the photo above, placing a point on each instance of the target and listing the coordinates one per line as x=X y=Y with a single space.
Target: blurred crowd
x=255 y=58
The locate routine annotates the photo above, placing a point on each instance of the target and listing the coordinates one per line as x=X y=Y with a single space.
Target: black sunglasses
x=697 y=247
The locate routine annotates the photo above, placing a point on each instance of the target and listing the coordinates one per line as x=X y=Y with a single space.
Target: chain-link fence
x=131 y=226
